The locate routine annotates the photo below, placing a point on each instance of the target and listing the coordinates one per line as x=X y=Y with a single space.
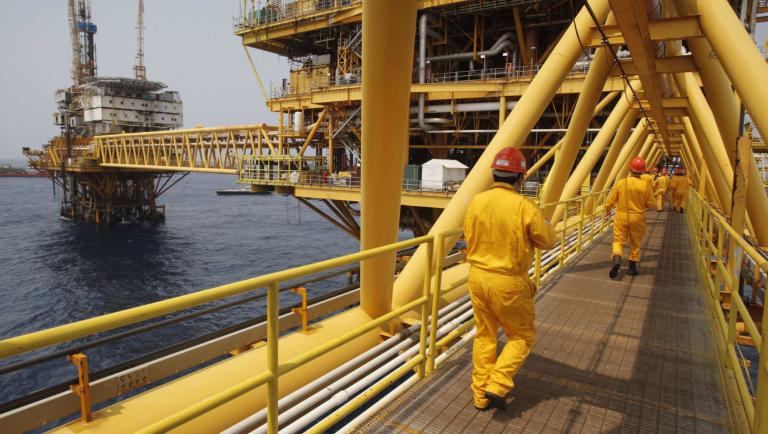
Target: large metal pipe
x=464 y=107
x=577 y=127
x=424 y=32
x=505 y=41
x=746 y=68
x=512 y=133
x=390 y=28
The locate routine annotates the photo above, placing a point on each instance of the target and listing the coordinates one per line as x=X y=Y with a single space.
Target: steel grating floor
x=625 y=356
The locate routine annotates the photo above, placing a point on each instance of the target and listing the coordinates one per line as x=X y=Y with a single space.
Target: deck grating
x=631 y=355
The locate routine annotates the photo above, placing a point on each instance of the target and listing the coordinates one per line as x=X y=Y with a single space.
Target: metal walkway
x=630 y=355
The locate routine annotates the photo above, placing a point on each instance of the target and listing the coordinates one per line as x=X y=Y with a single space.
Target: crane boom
x=139 y=69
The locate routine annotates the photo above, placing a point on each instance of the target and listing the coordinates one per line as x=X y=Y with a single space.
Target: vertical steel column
x=390 y=29
x=512 y=133
x=602 y=63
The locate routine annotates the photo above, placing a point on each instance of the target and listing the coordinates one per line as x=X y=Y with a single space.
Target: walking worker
x=679 y=186
x=502 y=228
x=660 y=186
x=631 y=196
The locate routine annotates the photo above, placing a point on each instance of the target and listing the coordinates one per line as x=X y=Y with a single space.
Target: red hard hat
x=664 y=171
x=637 y=165
x=654 y=170
x=679 y=171
x=509 y=160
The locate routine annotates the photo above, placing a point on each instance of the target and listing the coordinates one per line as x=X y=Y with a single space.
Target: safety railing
x=268 y=12
x=722 y=252
x=580 y=226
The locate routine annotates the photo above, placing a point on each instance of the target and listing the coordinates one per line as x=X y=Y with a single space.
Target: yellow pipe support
x=601 y=65
x=690 y=140
x=553 y=150
x=512 y=133
x=721 y=181
x=390 y=29
x=592 y=156
x=256 y=73
x=312 y=132
x=746 y=68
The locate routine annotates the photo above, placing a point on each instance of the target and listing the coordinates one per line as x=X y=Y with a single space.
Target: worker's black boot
x=615 y=267
x=496 y=401
x=633 y=268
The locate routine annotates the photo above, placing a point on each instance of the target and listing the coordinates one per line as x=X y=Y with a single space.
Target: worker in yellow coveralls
x=631 y=196
x=502 y=228
x=660 y=186
x=679 y=187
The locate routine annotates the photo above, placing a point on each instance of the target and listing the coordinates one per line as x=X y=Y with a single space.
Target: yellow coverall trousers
x=628 y=225
x=679 y=199
x=505 y=301
x=660 y=199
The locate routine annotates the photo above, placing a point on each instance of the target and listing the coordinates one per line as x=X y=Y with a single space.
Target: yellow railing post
x=273 y=335
x=537 y=268
x=83 y=387
x=425 y=308
x=562 y=238
x=761 y=396
x=435 y=301
x=581 y=223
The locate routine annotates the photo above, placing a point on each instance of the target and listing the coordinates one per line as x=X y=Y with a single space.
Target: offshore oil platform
x=386 y=107
x=96 y=105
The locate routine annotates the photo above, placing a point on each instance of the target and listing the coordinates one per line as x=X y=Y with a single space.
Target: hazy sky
x=189 y=45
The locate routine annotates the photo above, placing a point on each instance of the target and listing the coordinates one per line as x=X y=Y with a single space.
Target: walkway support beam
x=746 y=68
x=593 y=154
x=390 y=29
x=577 y=127
x=512 y=133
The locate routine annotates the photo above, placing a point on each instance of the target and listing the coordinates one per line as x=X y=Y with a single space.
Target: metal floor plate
x=617 y=356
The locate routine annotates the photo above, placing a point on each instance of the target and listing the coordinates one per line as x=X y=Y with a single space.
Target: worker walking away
x=660 y=186
x=679 y=186
x=502 y=228
x=631 y=196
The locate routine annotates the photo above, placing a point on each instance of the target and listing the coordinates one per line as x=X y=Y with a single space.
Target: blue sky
x=189 y=45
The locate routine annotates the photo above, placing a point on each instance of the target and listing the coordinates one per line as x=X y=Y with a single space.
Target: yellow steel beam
x=664 y=65
x=659 y=30
x=632 y=19
x=666 y=103
x=425 y=199
x=319 y=97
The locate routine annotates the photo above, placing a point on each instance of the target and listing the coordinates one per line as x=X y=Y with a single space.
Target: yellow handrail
x=709 y=228
x=428 y=342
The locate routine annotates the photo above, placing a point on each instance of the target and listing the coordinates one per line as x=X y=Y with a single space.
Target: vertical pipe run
x=273 y=336
x=390 y=29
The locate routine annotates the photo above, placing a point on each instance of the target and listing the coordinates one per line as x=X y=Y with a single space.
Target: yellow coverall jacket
x=679 y=186
x=660 y=187
x=502 y=228
x=647 y=177
x=631 y=196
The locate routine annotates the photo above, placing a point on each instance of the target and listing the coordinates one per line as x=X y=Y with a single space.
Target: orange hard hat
x=509 y=160
x=637 y=165
x=679 y=171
